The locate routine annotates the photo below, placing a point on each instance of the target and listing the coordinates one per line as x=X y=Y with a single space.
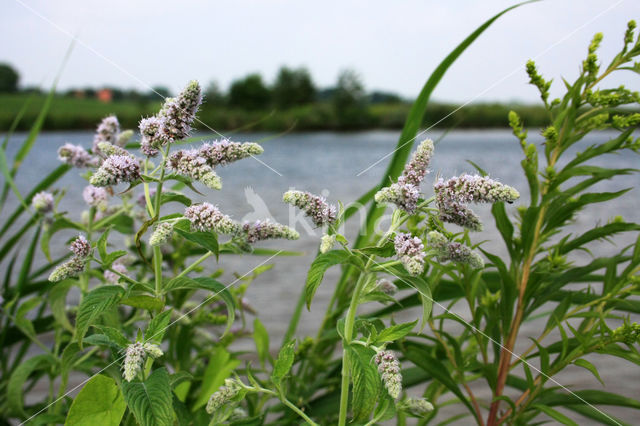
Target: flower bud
x=418 y=407
x=222 y=396
x=70 y=268
x=111 y=276
x=81 y=247
x=95 y=197
x=327 y=243
x=410 y=251
x=161 y=234
x=42 y=202
x=75 y=156
x=454 y=251
x=386 y=286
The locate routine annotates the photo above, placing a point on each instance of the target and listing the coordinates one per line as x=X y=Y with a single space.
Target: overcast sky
x=393 y=45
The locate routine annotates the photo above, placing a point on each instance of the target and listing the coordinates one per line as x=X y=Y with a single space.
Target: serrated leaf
x=284 y=362
x=114 y=335
x=319 y=267
x=150 y=401
x=395 y=332
x=94 y=304
x=206 y=240
x=366 y=382
x=100 y=402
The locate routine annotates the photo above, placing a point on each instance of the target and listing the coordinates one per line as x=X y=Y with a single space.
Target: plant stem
x=195 y=264
x=348 y=335
x=157 y=253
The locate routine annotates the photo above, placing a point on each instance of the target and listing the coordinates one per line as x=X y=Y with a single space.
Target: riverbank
x=67 y=113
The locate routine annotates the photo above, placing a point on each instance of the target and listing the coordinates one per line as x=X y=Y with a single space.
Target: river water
x=343 y=166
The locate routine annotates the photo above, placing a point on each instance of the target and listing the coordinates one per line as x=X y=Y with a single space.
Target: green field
x=70 y=113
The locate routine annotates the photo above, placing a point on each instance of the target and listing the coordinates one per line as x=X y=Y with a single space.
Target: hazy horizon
x=393 y=47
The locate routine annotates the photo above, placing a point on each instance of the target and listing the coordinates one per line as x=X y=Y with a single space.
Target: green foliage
x=9 y=78
x=99 y=402
x=249 y=93
x=150 y=400
x=293 y=87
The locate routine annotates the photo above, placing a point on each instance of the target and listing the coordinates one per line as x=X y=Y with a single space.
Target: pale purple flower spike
x=314 y=206
x=43 y=202
x=410 y=251
x=75 y=156
x=116 y=169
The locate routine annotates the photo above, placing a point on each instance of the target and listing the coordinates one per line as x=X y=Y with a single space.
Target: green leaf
x=210 y=284
x=206 y=240
x=94 y=304
x=57 y=225
x=169 y=197
x=150 y=401
x=283 y=363
x=395 y=332
x=100 y=402
x=321 y=264
x=386 y=250
x=219 y=368
x=592 y=368
x=157 y=326
x=261 y=338
x=424 y=290
x=20 y=376
x=435 y=368
x=149 y=303
x=114 y=335
x=366 y=382
x=594 y=397
x=102 y=244
x=41 y=186
x=555 y=415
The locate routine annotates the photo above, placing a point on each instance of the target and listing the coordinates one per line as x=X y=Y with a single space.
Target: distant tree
x=384 y=97
x=213 y=95
x=293 y=87
x=9 y=78
x=349 y=100
x=249 y=93
x=158 y=91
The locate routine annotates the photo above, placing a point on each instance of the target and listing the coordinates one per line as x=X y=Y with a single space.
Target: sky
x=393 y=45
